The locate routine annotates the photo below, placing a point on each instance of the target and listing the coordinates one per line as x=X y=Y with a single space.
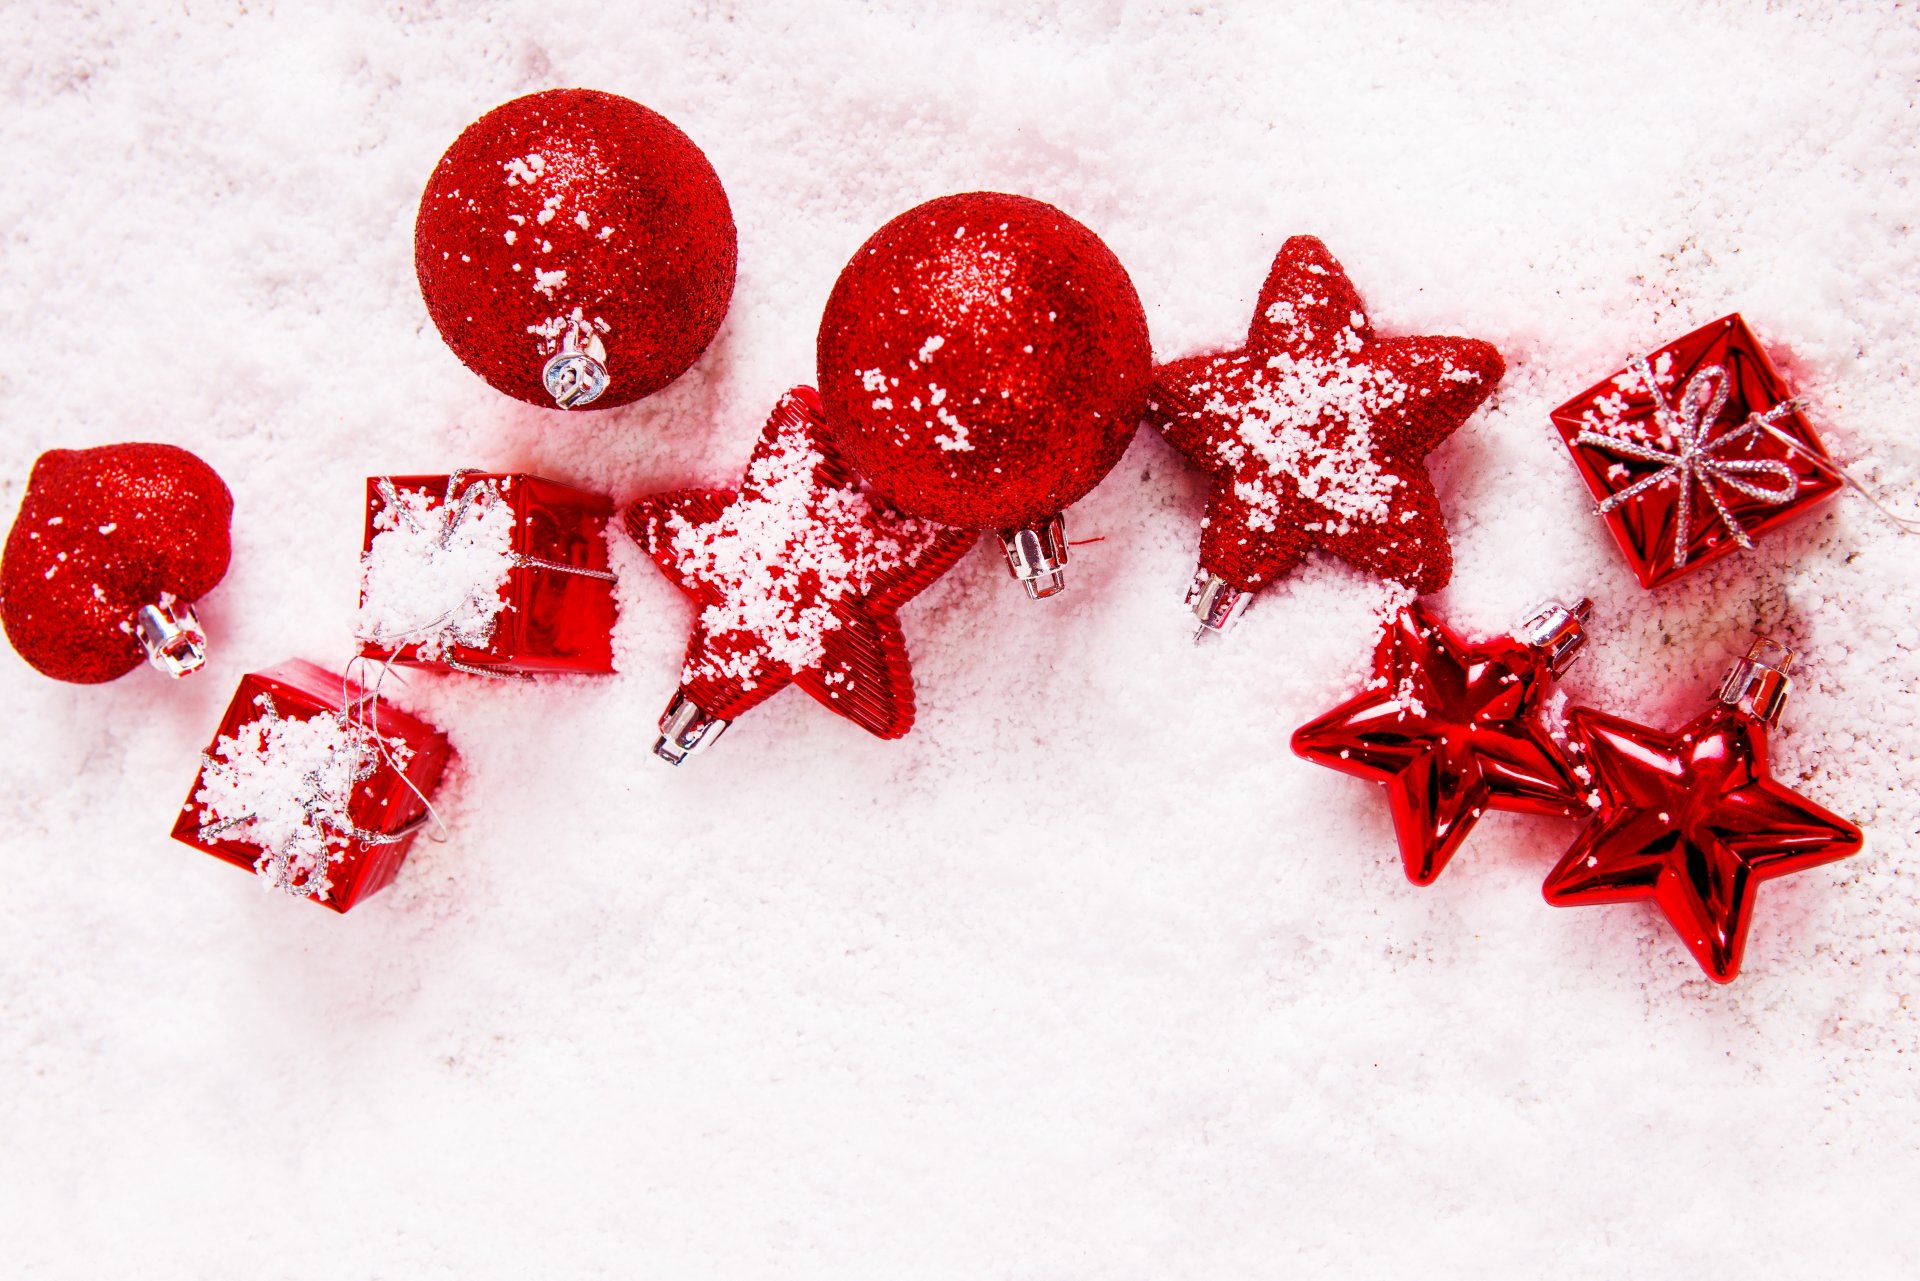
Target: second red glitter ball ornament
x=984 y=362
x=575 y=249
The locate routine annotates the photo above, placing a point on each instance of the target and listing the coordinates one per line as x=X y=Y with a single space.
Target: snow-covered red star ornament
x=797 y=576
x=1693 y=819
x=1453 y=729
x=1315 y=433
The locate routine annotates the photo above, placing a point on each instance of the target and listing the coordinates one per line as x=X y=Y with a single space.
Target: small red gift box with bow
x=486 y=573
x=1695 y=451
x=314 y=784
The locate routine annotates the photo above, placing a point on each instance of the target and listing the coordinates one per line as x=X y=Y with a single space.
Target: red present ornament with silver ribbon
x=1695 y=451
x=486 y=573
x=314 y=784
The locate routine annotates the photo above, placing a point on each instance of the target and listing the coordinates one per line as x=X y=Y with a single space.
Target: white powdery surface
x=1088 y=976
x=286 y=785
x=781 y=555
x=433 y=577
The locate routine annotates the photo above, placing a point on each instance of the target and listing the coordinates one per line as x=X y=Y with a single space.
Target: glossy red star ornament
x=1315 y=434
x=1694 y=820
x=797 y=576
x=1454 y=729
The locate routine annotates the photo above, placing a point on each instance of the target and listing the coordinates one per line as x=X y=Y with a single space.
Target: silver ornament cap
x=1037 y=556
x=1557 y=631
x=685 y=729
x=1758 y=684
x=171 y=634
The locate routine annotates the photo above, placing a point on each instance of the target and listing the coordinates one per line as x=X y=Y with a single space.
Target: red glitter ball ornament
x=984 y=361
x=798 y=575
x=111 y=547
x=575 y=248
x=1315 y=433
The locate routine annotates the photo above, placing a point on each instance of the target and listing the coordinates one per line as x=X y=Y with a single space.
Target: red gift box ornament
x=314 y=785
x=1705 y=422
x=488 y=574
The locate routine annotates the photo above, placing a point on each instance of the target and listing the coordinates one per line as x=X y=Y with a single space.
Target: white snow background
x=1088 y=977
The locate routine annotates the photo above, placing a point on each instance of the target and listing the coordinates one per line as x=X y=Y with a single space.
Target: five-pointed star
x=1694 y=821
x=797 y=576
x=1315 y=431
x=1452 y=729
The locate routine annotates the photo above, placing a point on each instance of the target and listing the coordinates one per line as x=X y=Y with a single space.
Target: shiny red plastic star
x=1693 y=821
x=797 y=576
x=1315 y=431
x=1452 y=729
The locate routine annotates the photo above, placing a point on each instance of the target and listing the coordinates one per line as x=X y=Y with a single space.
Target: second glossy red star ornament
x=1315 y=434
x=1693 y=819
x=1454 y=729
x=797 y=576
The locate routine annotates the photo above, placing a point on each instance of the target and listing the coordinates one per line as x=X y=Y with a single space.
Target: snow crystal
x=285 y=784
x=434 y=575
x=781 y=555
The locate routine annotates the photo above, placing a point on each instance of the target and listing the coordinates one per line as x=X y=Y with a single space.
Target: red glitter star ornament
x=797 y=576
x=1453 y=729
x=1694 y=820
x=1315 y=434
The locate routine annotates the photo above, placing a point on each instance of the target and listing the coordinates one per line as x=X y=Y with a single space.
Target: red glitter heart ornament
x=1315 y=433
x=111 y=547
x=575 y=249
x=984 y=361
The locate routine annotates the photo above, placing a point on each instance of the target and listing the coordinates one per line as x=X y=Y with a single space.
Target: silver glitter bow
x=1694 y=458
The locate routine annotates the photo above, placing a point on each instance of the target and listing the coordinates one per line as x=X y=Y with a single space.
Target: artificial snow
x=435 y=572
x=1087 y=976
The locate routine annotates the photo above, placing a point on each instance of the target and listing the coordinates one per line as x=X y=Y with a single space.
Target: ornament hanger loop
x=1037 y=555
x=685 y=729
x=576 y=375
x=1759 y=683
x=1558 y=631
x=171 y=635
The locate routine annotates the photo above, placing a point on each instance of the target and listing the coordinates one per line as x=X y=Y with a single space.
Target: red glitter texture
x=797 y=576
x=1315 y=432
x=983 y=360
x=102 y=532
x=382 y=803
x=596 y=187
x=1622 y=405
x=1694 y=821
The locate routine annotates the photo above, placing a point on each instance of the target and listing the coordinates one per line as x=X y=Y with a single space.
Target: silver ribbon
x=1694 y=459
x=325 y=814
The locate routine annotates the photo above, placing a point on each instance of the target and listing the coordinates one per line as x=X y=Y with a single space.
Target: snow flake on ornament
x=1316 y=429
x=435 y=572
x=778 y=560
x=286 y=785
x=796 y=576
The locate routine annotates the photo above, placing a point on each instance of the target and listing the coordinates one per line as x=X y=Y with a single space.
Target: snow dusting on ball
x=984 y=360
x=575 y=214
